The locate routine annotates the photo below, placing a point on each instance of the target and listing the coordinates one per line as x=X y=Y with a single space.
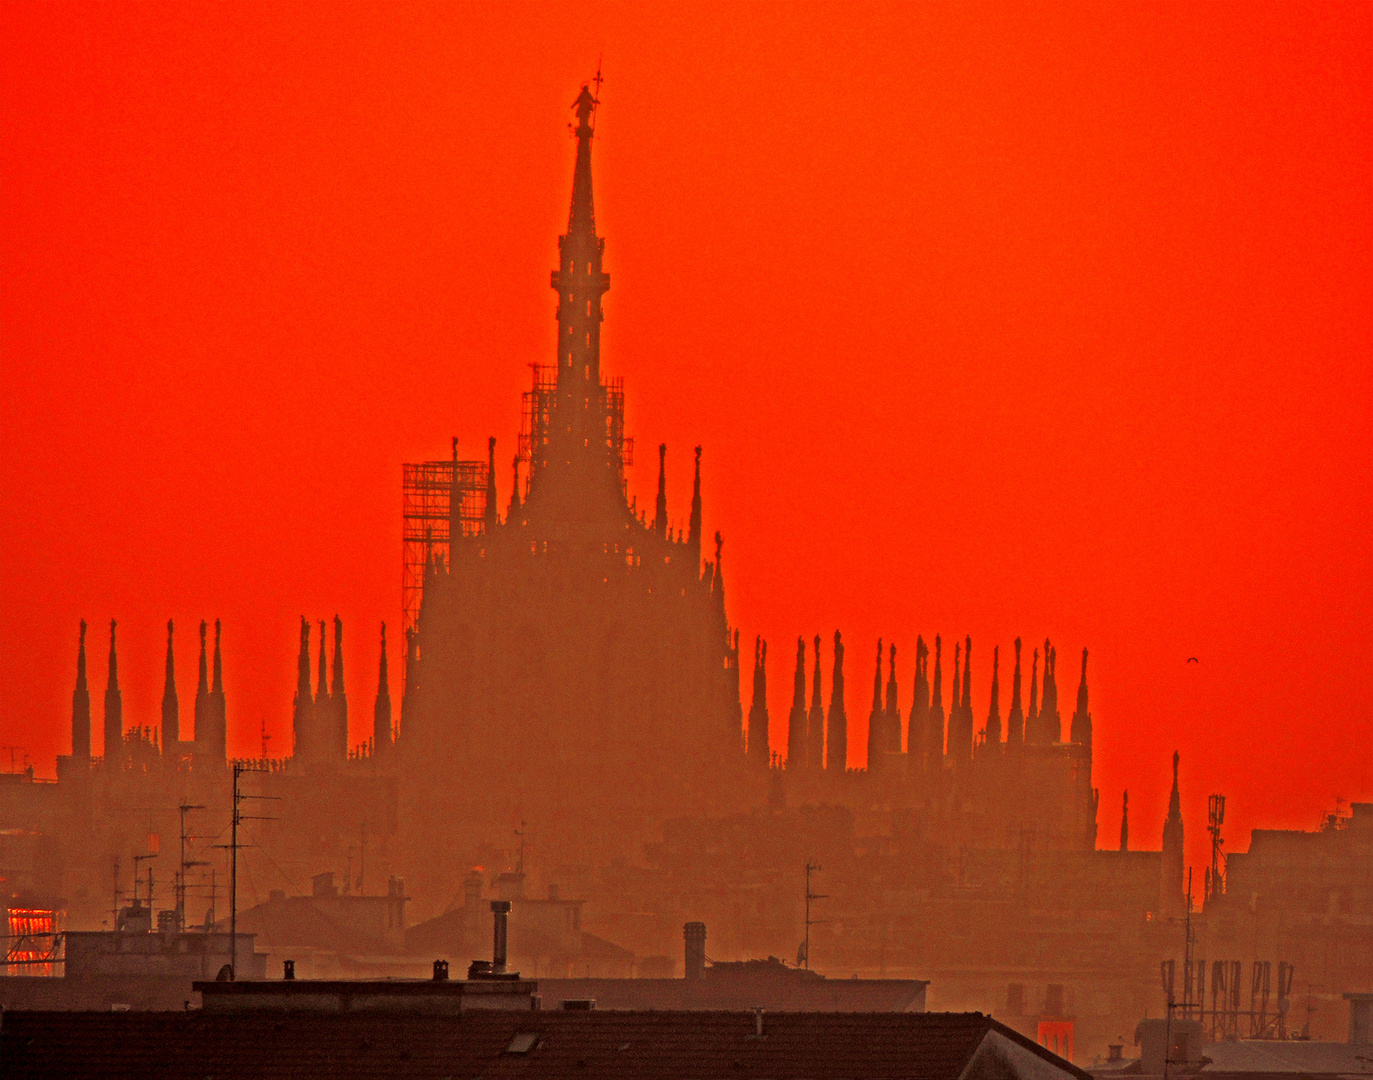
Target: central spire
x=580 y=284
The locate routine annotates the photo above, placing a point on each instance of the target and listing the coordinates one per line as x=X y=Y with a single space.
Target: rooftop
x=490 y=1045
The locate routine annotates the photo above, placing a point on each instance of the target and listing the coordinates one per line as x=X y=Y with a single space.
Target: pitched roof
x=486 y=1045
x=297 y=922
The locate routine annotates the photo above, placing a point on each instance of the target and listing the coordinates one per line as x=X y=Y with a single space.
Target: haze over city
x=958 y=336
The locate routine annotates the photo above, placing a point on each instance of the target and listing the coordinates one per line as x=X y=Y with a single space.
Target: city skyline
x=950 y=433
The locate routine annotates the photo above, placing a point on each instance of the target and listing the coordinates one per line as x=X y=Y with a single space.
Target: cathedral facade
x=570 y=659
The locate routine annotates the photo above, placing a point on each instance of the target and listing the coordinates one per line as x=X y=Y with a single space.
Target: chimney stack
x=695 y=934
x=501 y=909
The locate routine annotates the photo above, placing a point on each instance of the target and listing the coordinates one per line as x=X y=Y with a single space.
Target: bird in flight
x=1193 y=660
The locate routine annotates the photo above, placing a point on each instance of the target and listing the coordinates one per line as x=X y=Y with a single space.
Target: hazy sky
x=1038 y=320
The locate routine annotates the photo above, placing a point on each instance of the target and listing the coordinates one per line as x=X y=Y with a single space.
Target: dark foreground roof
x=786 y=992
x=398 y=1046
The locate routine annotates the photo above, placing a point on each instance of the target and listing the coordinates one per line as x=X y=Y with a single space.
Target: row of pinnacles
x=932 y=740
x=140 y=747
x=320 y=718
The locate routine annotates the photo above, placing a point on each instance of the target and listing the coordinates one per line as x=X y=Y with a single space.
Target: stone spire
x=660 y=504
x=409 y=697
x=994 y=710
x=965 y=705
x=876 y=717
x=837 y=735
x=171 y=708
x=322 y=735
x=694 y=523
x=577 y=449
x=815 y=722
x=717 y=582
x=917 y=730
x=303 y=709
x=1032 y=731
x=934 y=744
x=381 y=711
x=733 y=683
x=891 y=719
x=796 y=719
x=1051 y=725
x=968 y=681
x=81 y=703
x=1015 y=723
x=1125 y=821
x=1172 y=902
x=512 y=513
x=113 y=700
x=758 y=750
x=955 y=735
x=490 y=494
x=214 y=742
x=338 y=700
x=1081 y=730
x=202 y=690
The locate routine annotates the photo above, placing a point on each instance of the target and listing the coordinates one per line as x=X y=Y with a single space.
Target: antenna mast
x=811 y=868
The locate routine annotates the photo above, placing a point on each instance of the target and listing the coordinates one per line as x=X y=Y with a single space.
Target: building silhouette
x=576 y=648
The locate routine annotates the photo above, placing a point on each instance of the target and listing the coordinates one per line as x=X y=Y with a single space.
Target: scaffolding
x=539 y=406
x=438 y=498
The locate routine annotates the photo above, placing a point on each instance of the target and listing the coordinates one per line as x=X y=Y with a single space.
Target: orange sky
x=992 y=319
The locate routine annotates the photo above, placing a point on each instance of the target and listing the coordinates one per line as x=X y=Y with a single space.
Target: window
x=523 y=1042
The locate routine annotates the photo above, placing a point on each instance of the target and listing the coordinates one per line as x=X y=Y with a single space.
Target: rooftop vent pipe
x=695 y=934
x=501 y=910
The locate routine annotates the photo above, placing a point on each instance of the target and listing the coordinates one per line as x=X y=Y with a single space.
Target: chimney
x=440 y=970
x=695 y=934
x=501 y=910
x=288 y=970
x=1113 y=1051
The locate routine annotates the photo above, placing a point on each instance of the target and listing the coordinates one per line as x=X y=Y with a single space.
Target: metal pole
x=233 y=879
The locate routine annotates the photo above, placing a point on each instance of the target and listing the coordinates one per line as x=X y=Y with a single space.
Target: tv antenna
x=811 y=868
x=1215 y=818
x=238 y=817
x=136 y=860
x=183 y=866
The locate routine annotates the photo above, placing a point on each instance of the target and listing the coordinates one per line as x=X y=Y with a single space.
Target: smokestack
x=695 y=935
x=501 y=910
